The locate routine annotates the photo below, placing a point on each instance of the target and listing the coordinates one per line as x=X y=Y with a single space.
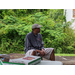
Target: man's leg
x=52 y=56
x=30 y=52
x=33 y=53
x=49 y=54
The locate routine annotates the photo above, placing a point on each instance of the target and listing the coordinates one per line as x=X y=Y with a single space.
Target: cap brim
x=39 y=26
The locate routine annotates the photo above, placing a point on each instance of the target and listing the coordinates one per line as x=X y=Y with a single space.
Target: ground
x=66 y=60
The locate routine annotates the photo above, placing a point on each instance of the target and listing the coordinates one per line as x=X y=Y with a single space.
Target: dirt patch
x=16 y=55
x=64 y=58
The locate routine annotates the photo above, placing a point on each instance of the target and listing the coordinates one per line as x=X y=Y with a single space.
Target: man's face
x=37 y=30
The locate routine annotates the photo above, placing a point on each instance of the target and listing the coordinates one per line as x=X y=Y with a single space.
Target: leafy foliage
x=16 y=23
x=9 y=19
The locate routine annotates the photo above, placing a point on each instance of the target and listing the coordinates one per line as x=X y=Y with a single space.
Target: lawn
x=57 y=54
x=64 y=54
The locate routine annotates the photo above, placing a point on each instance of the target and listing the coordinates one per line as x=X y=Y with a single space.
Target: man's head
x=36 y=28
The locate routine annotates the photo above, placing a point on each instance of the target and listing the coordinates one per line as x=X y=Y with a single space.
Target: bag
x=4 y=57
x=27 y=60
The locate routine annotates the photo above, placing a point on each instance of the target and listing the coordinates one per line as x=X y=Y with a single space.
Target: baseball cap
x=35 y=26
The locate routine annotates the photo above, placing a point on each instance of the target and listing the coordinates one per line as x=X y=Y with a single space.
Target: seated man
x=34 y=44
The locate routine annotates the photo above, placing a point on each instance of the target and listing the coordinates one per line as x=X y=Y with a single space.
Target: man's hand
x=42 y=52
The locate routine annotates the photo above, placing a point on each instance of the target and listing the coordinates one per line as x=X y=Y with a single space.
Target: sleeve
x=27 y=44
x=42 y=44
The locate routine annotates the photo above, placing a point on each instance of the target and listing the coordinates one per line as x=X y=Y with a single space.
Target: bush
x=9 y=19
x=54 y=33
x=1 y=25
x=59 y=50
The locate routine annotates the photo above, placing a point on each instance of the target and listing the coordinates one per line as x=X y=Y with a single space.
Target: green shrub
x=54 y=33
x=9 y=19
x=1 y=25
x=59 y=50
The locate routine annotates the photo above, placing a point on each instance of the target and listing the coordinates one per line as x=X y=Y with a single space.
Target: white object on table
x=27 y=60
x=48 y=62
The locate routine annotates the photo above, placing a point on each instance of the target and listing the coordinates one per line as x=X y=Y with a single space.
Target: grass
x=64 y=54
x=22 y=52
x=57 y=54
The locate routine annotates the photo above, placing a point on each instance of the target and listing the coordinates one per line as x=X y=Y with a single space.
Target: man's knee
x=53 y=52
x=33 y=53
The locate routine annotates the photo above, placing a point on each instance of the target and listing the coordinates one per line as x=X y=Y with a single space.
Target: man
x=34 y=44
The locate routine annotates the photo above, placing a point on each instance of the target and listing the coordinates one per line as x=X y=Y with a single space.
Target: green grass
x=64 y=54
x=22 y=52
x=57 y=54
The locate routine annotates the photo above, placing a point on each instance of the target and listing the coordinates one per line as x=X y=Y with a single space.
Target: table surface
x=48 y=62
x=45 y=62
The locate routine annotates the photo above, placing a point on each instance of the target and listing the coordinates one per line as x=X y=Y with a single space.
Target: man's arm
x=42 y=52
x=42 y=45
x=27 y=44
